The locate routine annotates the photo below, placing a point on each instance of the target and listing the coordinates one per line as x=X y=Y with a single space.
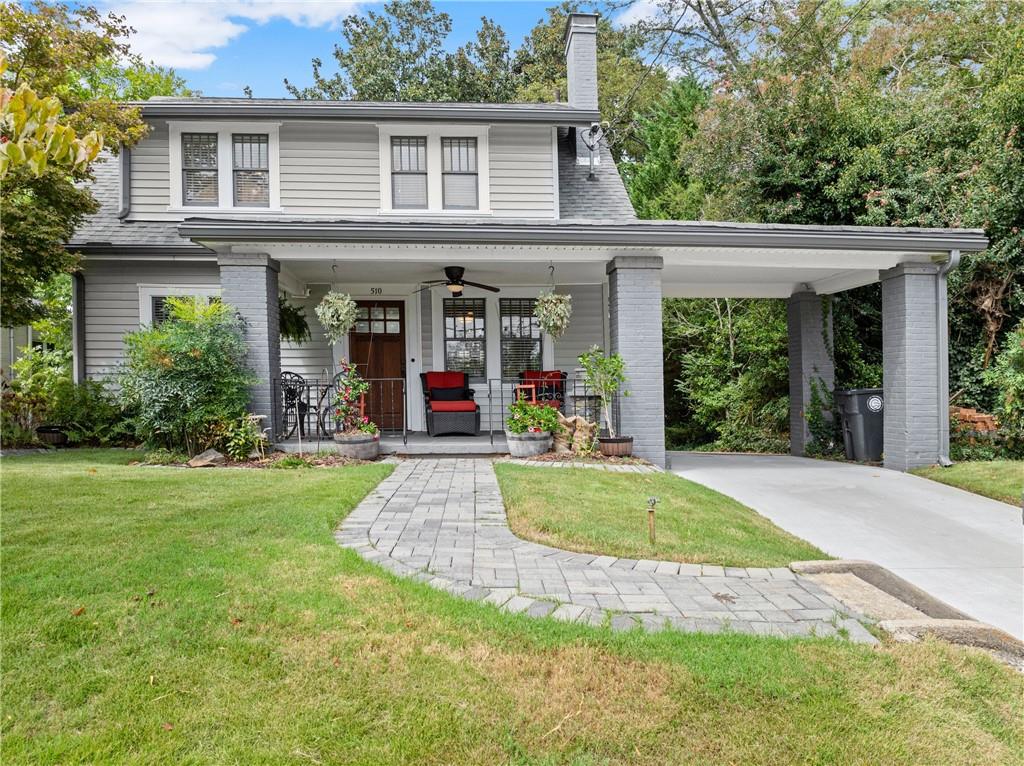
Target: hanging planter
x=553 y=311
x=337 y=315
x=292 y=323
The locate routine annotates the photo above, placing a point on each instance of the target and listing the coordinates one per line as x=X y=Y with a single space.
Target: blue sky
x=219 y=47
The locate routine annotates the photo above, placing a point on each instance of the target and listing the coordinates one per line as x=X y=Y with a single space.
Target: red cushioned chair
x=459 y=415
x=550 y=386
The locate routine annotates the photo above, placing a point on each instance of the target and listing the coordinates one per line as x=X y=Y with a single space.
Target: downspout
x=125 y=159
x=942 y=337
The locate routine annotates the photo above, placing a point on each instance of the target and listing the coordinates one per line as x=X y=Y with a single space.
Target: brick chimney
x=581 y=71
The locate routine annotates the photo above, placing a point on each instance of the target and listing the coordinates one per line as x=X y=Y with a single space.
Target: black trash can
x=861 y=414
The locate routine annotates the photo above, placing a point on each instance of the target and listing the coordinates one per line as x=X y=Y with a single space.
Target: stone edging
x=611 y=467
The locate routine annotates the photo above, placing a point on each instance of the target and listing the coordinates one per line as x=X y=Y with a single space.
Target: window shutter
x=521 y=337
x=160 y=312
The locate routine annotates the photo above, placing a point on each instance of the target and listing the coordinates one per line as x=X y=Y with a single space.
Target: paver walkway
x=443 y=521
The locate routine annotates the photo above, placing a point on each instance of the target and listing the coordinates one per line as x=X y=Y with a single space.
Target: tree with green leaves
x=68 y=54
x=399 y=55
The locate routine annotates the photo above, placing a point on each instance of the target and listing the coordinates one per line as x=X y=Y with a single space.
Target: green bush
x=161 y=456
x=88 y=414
x=1007 y=377
x=243 y=437
x=187 y=378
x=291 y=462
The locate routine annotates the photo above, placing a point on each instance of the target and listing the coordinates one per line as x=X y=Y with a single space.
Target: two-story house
x=255 y=200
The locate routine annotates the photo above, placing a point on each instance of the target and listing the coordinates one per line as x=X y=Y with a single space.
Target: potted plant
x=337 y=315
x=604 y=376
x=529 y=427
x=553 y=311
x=354 y=433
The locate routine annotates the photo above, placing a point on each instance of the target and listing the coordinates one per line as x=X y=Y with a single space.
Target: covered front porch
x=617 y=275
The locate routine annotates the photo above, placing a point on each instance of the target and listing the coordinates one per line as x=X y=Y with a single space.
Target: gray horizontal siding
x=586 y=327
x=312 y=359
x=330 y=169
x=112 y=304
x=150 y=177
x=522 y=172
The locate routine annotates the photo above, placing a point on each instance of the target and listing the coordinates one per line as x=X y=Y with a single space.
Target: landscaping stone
x=207 y=459
x=442 y=521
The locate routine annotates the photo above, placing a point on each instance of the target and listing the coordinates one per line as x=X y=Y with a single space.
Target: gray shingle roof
x=106 y=228
x=580 y=197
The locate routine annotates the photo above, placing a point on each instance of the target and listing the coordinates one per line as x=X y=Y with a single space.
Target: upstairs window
x=251 y=169
x=465 y=336
x=459 y=174
x=199 y=169
x=409 y=172
x=521 y=337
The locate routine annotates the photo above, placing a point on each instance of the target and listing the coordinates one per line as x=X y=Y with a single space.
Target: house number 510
x=376 y=290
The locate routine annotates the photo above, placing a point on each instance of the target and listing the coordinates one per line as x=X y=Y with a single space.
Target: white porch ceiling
x=737 y=272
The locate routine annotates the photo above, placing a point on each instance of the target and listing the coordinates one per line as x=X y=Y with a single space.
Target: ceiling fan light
x=454 y=289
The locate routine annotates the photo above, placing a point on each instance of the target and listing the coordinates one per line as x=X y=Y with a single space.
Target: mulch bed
x=324 y=460
x=572 y=457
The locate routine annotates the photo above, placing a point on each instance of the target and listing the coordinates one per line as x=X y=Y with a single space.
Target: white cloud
x=185 y=35
x=639 y=10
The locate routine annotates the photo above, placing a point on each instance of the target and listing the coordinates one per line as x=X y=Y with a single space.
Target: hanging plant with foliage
x=293 y=325
x=553 y=311
x=337 y=315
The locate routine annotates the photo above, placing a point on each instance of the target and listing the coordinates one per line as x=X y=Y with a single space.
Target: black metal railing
x=307 y=406
x=571 y=396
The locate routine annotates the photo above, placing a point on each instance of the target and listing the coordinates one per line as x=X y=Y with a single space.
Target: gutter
x=942 y=337
x=125 y=161
x=558 y=114
x=632 y=234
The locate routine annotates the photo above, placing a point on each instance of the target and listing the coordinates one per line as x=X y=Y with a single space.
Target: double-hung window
x=250 y=154
x=409 y=172
x=459 y=185
x=465 y=336
x=521 y=337
x=199 y=169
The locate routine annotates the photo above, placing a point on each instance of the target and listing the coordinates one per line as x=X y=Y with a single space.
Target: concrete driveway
x=962 y=548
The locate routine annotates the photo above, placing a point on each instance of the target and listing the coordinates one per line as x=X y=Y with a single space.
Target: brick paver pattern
x=443 y=521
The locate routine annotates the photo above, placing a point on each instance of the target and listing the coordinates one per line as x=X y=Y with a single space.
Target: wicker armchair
x=449 y=410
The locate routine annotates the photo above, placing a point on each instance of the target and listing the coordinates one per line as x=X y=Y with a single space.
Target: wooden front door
x=377 y=349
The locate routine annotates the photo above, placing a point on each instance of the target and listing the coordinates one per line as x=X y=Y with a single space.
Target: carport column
x=915 y=355
x=634 y=312
x=810 y=363
x=249 y=283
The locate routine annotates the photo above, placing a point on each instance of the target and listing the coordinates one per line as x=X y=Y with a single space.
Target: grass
x=998 y=479
x=165 y=616
x=606 y=513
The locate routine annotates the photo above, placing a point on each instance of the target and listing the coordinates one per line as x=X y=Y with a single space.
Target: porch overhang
x=701 y=259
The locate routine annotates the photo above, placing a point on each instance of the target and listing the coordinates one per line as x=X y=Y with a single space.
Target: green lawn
x=606 y=513
x=998 y=479
x=165 y=616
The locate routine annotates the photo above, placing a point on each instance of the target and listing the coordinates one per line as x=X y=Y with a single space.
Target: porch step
x=417 y=445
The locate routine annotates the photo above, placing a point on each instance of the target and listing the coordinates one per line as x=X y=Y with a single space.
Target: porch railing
x=306 y=407
x=571 y=397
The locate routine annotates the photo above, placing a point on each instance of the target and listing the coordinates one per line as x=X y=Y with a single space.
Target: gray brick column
x=810 y=362
x=634 y=312
x=914 y=356
x=249 y=283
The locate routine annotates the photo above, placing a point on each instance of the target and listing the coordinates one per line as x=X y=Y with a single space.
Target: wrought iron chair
x=549 y=386
x=295 y=399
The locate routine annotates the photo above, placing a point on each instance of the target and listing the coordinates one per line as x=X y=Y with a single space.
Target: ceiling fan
x=455 y=283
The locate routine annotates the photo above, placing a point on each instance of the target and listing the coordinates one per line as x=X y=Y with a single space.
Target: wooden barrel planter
x=52 y=435
x=528 y=444
x=358 y=446
x=619 y=446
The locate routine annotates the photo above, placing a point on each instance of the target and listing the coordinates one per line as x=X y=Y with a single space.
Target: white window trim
x=148 y=292
x=434 y=132
x=225 y=180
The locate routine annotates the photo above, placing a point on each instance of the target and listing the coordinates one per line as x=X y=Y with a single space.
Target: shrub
x=292 y=462
x=161 y=456
x=604 y=375
x=187 y=377
x=1007 y=376
x=244 y=437
x=526 y=416
x=88 y=414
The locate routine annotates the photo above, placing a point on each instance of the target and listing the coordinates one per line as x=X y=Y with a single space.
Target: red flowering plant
x=348 y=396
